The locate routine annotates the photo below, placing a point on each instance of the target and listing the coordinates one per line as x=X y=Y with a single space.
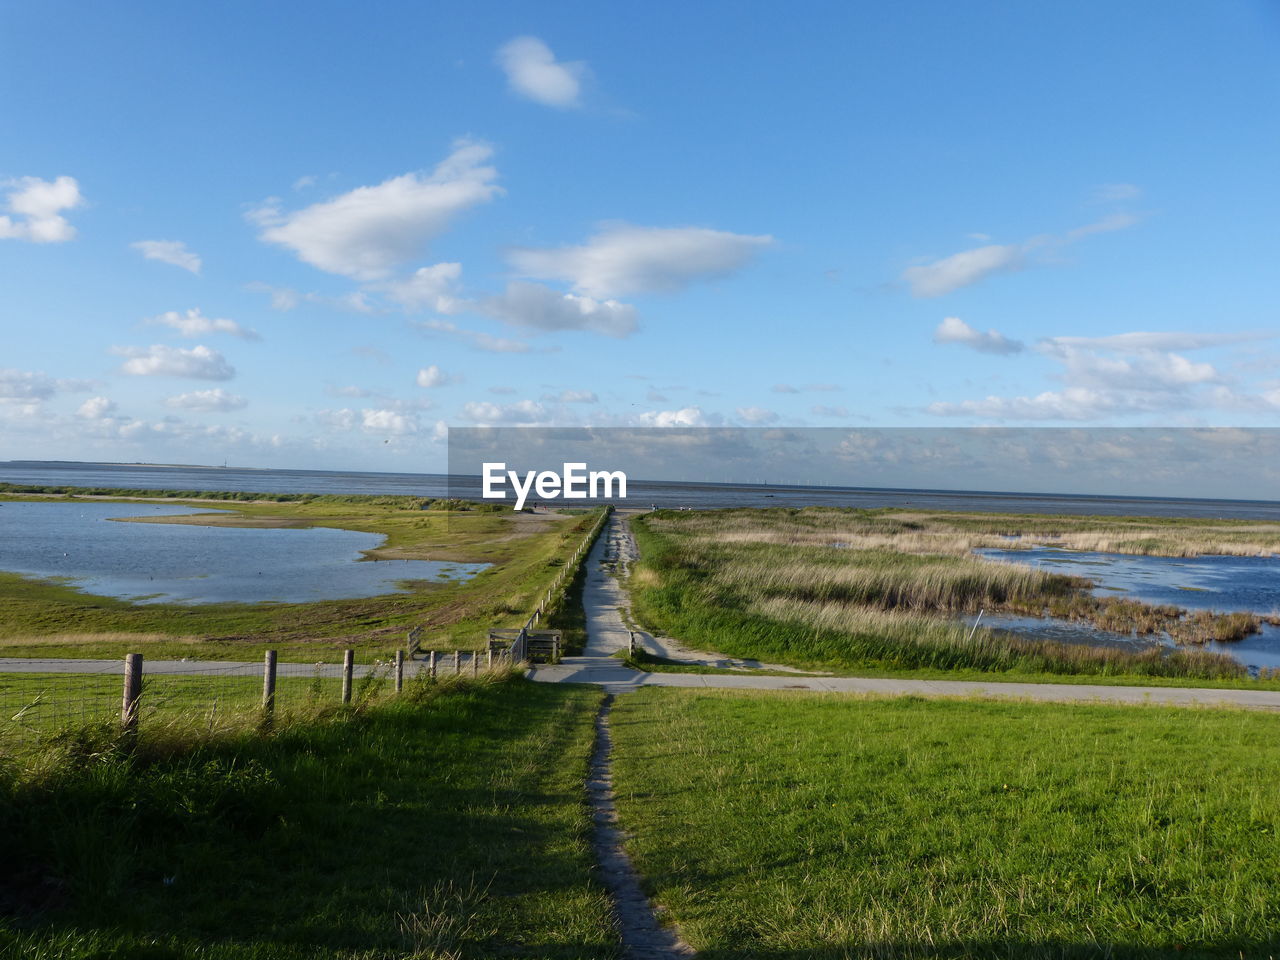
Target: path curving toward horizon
x=604 y=601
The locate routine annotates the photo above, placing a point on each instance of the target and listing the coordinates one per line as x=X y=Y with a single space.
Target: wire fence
x=40 y=699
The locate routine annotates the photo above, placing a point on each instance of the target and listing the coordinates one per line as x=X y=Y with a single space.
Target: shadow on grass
x=454 y=827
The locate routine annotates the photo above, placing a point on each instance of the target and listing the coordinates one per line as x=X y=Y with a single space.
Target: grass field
x=779 y=585
x=781 y=827
x=448 y=825
x=50 y=619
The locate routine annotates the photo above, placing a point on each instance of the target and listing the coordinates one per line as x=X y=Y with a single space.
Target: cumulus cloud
x=504 y=414
x=193 y=323
x=96 y=408
x=367 y=232
x=433 y=376
x=821 y=410
x=534 y=73
x=1131 y=373
x=35 y=209
x=158 y=360
x=967 y=267
x=215 y=400
x=955 y=330
x=26 y=386
x=757 y=416
x=173 y=252
x=431 y=288
x=540 y=308
x=384 y=422
x=684 y=417
x=622 y=259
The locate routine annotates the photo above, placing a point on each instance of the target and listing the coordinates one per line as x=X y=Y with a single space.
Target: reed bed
x=958 y=534
x=792 y=585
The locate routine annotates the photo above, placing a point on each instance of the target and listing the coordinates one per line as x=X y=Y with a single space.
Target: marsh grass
x=786 y=597
x=822 y=826
x=446 y=823
x=959 y=534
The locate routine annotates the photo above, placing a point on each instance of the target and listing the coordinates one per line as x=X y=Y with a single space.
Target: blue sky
x=317 y=237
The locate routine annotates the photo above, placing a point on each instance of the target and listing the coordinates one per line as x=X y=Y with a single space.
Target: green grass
x=719 y=583
x=42 y=618
x=447 y=825
x=781 y=827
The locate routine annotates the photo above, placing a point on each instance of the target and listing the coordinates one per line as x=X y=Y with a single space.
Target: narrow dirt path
x=643 y=937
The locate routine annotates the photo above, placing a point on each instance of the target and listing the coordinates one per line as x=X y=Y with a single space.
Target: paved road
x=604 y=598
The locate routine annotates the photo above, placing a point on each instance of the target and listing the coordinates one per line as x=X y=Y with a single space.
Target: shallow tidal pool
x=191 y=563
x=1219 y=583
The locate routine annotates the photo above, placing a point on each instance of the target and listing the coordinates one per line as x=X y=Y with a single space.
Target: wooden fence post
x=268 y=686
x=399 y=671
x=475 y=664
x=457 y=662
x=348 y=663
x=433 y=664
x=132 y=694
x=489 y=661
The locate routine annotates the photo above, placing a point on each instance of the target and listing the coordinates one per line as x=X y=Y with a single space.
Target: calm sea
x=641 y=493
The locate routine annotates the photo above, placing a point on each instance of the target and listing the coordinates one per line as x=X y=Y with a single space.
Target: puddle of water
x=188 y=563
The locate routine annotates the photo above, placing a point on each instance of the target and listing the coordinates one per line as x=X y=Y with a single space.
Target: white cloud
x=757 y=416
x=96 y=408
x=433 y=376
x=685 y=417
x=623 y=259
x=214 y=400
x=431 y=287
x=541 y=308
x=158 y=360
x=962 y=269
x=1131 y=373
x=822 y=410
x=533 y=72
x=37 y=205
x=382 y=422
x=1148 y=340
x=573 y=396
x=193 y=323
x=498 y=414
x=1073 y=403
x=367 y=232
x=389 y=422
x=955 y=330
x=24 y=386
x=969 y=266
x=174 y=252
x=784 y=388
